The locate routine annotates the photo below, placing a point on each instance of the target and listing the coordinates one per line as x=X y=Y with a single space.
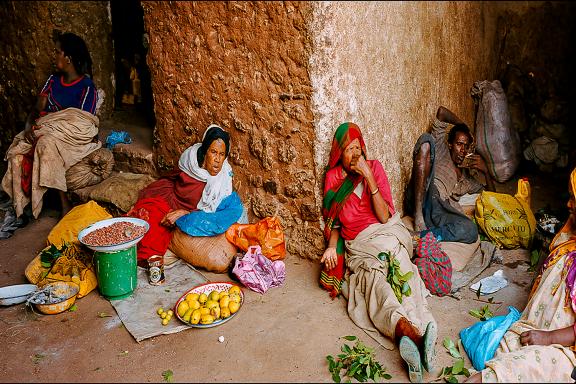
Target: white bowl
x=107 y=222
x=16 y=294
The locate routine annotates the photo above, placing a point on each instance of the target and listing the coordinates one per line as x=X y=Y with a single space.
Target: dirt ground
x=281 y=336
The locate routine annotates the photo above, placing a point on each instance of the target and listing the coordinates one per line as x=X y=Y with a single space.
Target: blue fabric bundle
x=200 y=223
x=117 y=137
x=481 y=340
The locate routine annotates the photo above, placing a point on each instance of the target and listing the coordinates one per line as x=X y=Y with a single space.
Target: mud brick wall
x=26 y=53
x=242 y=65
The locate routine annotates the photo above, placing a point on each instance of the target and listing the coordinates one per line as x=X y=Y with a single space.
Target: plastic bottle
x=523 y=191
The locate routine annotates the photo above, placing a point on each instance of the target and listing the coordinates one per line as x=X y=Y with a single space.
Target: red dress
x=177 y=191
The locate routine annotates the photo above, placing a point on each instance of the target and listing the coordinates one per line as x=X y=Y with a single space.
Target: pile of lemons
x=206 y=308
x=164 y=315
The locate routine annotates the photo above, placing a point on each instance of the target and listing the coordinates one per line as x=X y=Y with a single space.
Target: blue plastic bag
x=200 y=223
x=481 y=340
x=117 y=137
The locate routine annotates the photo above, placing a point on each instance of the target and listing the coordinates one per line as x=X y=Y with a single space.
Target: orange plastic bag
x=267 y=233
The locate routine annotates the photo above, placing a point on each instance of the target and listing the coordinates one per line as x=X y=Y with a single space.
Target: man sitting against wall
x=446 y=240
x=441 y=176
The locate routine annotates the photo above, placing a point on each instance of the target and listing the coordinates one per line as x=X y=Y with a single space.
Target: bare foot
x=419 y=223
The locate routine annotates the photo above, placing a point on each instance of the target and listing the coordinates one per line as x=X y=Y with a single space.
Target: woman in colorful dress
x=540 y=346
x=61 y=130
x=361 y=224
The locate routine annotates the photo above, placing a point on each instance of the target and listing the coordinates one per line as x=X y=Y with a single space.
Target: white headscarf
x=217 y=187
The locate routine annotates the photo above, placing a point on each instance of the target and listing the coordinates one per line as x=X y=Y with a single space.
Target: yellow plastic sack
x=75 y=264
x=79 y=217
x=507 y=220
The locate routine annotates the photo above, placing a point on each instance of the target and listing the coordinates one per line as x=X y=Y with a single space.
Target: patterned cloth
x=550 y=307
x=334 y=200
x=434 y=266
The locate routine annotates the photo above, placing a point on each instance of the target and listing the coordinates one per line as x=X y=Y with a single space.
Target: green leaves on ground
x=168 y=376
x=357 y=362
x=483 y=313
x=73 y=308
x=449 y=345
x=397 y=280
x=103 y=314
x=449 y=374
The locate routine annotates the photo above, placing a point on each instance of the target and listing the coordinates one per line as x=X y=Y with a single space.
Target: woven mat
x=138 y=312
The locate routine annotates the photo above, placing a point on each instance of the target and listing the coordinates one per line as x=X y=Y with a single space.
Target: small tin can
x=156 y=270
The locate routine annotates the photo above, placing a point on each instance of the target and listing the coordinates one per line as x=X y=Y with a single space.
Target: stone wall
x=26 y=52
x=242 y=65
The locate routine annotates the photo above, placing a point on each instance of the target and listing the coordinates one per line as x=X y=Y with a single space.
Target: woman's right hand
x=29 y=133
x=330 y=258
x=170 y=219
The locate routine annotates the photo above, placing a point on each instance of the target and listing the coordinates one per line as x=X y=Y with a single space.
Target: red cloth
x=157 y=239
x=178 y=189
x=357 y=213
x=434 y=266
x=26 y=171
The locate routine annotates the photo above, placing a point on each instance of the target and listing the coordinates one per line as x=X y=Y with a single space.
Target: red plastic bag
x=267 y=233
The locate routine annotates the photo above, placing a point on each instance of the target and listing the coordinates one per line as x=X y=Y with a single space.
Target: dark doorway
x=133 y=84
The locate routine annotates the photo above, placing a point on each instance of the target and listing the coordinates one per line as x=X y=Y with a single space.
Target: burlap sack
x=121 y=189
x=91 y=170
x=212 y=253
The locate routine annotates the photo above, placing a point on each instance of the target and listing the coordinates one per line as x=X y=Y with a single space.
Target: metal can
x=156 y=270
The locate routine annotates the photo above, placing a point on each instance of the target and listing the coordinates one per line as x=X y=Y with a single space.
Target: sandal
x=410 y=354
x=429 y=342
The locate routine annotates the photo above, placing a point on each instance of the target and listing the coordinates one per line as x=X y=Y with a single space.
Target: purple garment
x=571 y=277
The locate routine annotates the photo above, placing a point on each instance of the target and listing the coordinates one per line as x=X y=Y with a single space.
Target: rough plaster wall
x=26 y=52
x=387 y=66
x=242 y=65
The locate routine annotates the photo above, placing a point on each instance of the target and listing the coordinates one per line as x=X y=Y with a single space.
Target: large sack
x=121 y=189
x=212 y=253
x=496 y=141
x=91 y=170
x=79 y=217
x=74 y=262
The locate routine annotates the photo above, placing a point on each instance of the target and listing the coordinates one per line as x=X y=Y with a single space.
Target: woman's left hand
x=535 y=337
x=170 y=219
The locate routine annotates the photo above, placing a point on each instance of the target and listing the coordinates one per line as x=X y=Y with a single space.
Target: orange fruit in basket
x=182 y=308
x=206 y=319
x=235 y=297
x=215 y=311
x=204 y=311
x=234 y=289
x=203 y=298
x=195 y=318
x=195 y=304
x=233 y=307
x=224 y=301
x=211 y=304
x=214 y=295
x=225 y=312
x=187 y=315
x=192 y=296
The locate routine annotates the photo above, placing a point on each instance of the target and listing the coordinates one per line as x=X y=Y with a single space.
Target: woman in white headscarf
x=202 y=182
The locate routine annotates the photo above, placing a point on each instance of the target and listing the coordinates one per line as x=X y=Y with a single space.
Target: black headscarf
x=213 y=132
